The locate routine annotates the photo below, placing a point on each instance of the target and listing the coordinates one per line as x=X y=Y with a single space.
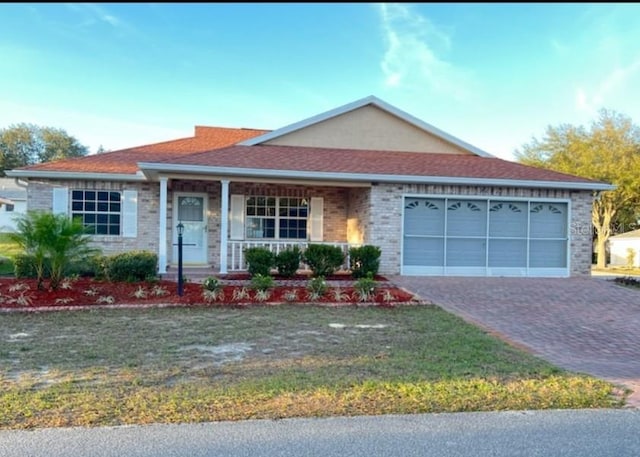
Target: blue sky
x=493 y=75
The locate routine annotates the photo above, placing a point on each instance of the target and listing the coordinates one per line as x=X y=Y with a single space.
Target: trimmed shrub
x=287 y=262
x=25 y=267
x=259 y=261
x=323 y=259
x=262 y=282
x=90 y=267
x=364 y=260
x=131 y=266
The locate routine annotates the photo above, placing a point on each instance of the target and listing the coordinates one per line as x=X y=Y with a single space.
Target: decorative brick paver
x=587 y=325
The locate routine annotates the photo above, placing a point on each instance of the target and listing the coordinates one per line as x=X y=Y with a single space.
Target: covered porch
x=222 y=217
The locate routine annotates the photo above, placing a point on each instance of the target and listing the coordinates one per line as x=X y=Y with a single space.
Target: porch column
x=162 y=238
x=224 y=225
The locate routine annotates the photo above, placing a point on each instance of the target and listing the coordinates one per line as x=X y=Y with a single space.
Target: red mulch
x=90 y=292
x=243 y=276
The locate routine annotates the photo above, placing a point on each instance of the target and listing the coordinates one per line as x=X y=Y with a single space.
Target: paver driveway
x=589 y=325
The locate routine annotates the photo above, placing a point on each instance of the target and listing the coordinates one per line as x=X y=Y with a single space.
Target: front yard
x=134 y=366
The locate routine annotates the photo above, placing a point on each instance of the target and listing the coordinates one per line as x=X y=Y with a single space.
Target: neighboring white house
x=622 y=246
x=13 y=203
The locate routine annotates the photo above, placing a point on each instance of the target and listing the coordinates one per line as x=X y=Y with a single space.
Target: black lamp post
x=180 y=279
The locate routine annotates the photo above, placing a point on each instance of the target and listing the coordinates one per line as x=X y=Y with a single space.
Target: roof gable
x=368 y=123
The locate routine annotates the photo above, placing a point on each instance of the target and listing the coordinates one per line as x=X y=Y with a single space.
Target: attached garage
x=476 y=236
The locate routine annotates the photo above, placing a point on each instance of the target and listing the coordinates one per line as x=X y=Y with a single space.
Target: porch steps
x=197 y=275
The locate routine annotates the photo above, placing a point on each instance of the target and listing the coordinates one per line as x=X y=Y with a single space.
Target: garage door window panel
x=424 y=251
x=508 y=226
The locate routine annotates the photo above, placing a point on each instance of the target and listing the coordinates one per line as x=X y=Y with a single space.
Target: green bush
x=6 y=266
x=262 y=282
x=89 y=267
x=365 y=288
x=92 y=266
x=287 y=262
x=323 y=259
x=131 y=266
x=25 y=267
x=259 y=261
x=364 y=260
x=212 y=284
x=317 y=286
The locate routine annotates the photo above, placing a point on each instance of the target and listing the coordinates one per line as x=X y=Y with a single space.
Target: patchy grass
x=111 y=367
x=8 y=251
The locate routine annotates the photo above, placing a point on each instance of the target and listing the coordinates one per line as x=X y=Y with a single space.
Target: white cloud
x=94 y=13
x=612 y=85
x=414 y=54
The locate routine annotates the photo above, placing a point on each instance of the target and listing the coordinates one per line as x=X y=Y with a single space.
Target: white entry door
x=190 y=210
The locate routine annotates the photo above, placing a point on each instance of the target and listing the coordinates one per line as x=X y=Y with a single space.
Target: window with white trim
x=276 y=218
x=99 y=210
x=9 y=207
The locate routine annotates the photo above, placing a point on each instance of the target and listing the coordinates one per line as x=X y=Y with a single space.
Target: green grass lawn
x=133 y=366
x=8 y=250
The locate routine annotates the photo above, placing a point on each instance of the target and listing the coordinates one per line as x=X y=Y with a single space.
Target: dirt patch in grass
x=126 y=366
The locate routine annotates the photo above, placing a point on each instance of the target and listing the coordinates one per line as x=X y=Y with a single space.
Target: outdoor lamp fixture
x=180 y=228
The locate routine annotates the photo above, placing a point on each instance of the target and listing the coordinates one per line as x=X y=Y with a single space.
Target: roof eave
x=152 y=170
x=46 y=174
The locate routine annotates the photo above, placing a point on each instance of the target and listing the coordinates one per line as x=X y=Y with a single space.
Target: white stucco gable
x=368 y=123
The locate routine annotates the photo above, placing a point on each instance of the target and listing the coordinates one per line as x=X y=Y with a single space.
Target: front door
x=190 y=210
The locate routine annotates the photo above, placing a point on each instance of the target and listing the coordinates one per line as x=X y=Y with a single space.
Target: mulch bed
x=87 y=292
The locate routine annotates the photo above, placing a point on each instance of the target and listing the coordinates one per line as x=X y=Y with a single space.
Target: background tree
x=26 y=144
x=608 y=151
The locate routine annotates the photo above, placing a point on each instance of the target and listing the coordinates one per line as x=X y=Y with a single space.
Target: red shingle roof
x=216 y=147
x=325 y=160
x=125 y=160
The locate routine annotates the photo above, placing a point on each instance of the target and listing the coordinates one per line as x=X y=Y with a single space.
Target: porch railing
x=237 y=260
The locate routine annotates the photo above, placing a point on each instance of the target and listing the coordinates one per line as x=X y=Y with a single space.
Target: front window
x=9 y=208
x=276 y=218
x=99 y=210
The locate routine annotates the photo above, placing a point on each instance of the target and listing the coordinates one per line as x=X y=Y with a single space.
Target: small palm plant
x=53 y=242
x=316 y=288
x=365 y=288
x=212 y=289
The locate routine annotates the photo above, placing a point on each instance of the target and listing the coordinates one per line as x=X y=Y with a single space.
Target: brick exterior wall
x=40 y=197
x=581 y=232
x=358 y=215
x=386 y=218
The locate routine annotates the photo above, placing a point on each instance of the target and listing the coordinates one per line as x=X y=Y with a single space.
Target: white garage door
x=484 y=237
